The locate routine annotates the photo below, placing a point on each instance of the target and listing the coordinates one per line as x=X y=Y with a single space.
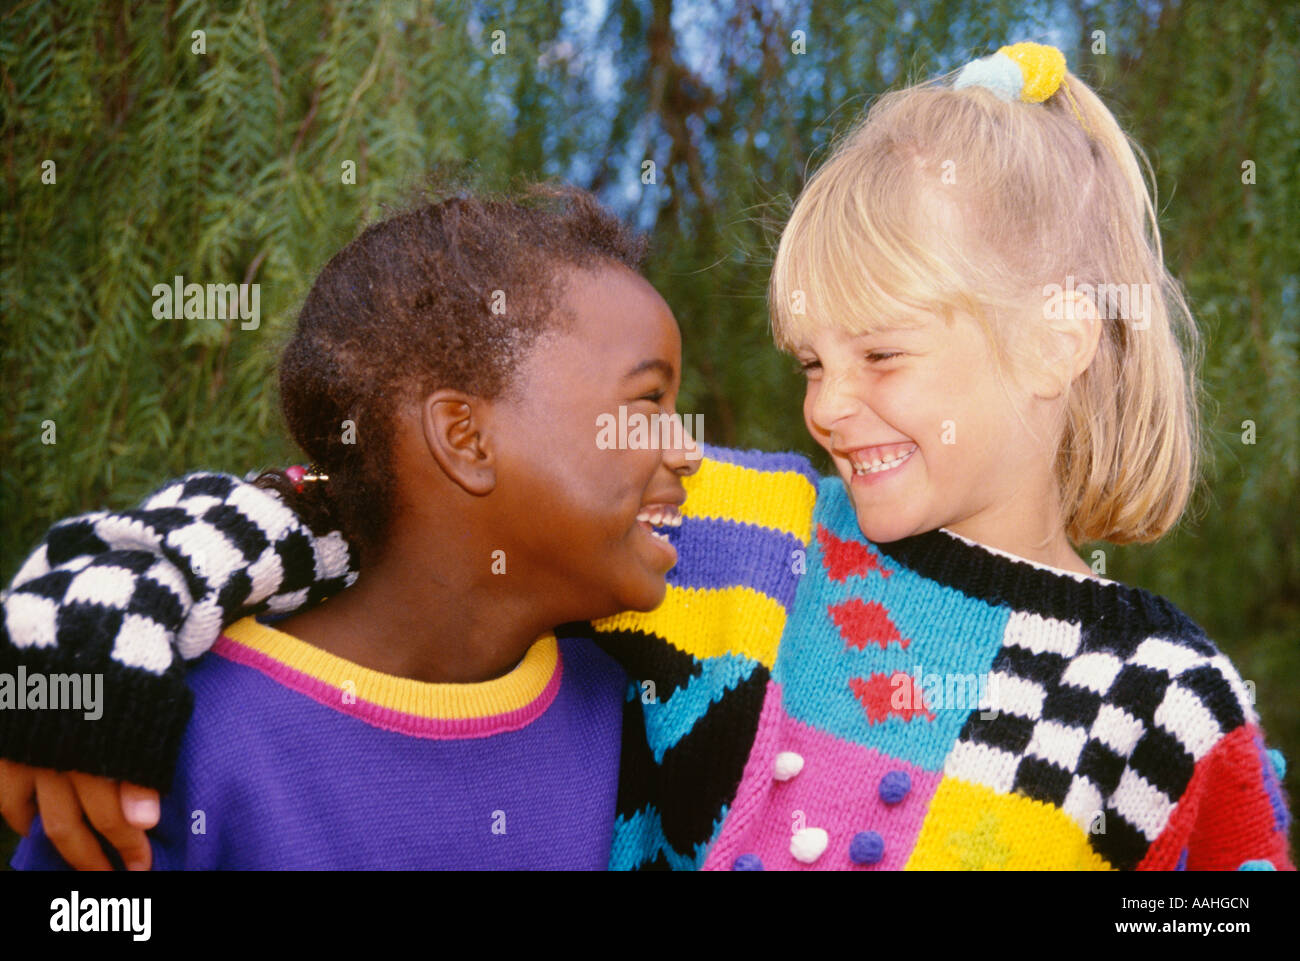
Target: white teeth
x=660 y=518
x=877 y=466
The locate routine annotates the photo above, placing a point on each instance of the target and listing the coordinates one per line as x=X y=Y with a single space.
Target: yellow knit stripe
x=709 y=622
x=513 y=691
x=972 y=827
x=782 y=500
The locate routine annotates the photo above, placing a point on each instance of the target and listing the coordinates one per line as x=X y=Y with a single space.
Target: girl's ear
x=454 y=428
x=1071 y=332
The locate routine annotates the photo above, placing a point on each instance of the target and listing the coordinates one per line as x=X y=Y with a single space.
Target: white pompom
x=808 y=844
x=788 y=764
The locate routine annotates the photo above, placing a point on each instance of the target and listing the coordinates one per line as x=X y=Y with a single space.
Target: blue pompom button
x=867 y=847
x=894 y=786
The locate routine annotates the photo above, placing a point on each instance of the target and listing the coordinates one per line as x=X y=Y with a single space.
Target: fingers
x=64 y=826
x=102 y=802
x=141 y=805
x=17 y=795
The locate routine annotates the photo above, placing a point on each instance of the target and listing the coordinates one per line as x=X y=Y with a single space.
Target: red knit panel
x=1224 y=818
x=844 y=559
x=866 y=622
x=883 y=696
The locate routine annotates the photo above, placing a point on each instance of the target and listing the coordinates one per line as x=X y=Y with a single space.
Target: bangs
x=870 y=245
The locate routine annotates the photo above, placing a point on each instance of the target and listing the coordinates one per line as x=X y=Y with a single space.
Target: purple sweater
x=297 y=759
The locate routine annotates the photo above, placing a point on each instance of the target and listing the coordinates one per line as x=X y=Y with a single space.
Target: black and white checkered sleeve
x=132 y=596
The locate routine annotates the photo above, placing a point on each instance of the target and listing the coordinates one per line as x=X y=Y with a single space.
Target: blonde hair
x=951 y=200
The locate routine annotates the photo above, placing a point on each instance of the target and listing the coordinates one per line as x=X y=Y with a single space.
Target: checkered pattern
x=137 y=593
x=1106 y=725
x=199 y=553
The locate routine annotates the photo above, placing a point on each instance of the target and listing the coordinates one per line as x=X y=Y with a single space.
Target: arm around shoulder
x=110 y=605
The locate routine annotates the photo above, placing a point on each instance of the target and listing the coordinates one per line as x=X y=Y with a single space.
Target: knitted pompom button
x=1278 y=761
x=894 y=786
x=787 y=765
x=1260 y=865
x=808 y=844
x=747 y=862
x=1043 y=67
x=867 y=847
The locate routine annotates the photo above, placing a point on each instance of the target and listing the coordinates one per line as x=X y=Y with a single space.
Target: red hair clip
x=299 y=475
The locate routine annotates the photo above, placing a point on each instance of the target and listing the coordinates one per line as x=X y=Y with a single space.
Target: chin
x=644 y=597
x=881 y=529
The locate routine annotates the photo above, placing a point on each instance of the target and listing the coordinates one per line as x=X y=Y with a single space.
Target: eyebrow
x=888 y=331
x=662 y=366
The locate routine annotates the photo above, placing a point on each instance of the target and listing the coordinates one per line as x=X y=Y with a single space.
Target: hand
x=121 y=812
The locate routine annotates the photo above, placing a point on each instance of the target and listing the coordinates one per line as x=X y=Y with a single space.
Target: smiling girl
x=427 y=716
x=963 y=690
x=907 y=665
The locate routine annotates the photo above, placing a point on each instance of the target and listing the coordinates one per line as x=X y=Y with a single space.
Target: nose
x=832 y=400
x=683 y=455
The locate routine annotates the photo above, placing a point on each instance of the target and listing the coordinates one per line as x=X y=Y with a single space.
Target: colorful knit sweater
x=297 y=759
x=802 y=699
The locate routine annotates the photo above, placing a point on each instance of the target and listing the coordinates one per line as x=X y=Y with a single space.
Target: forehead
x=914 y=327
x=612 y=322
x=613 y=312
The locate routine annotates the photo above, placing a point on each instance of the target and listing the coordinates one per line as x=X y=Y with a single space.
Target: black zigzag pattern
x=701 y=772
x=646 y=657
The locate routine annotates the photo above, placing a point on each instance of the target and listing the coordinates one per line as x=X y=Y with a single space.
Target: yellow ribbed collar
x=512 y=692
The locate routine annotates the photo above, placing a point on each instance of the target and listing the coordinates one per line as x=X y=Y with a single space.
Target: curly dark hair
x=414 y=304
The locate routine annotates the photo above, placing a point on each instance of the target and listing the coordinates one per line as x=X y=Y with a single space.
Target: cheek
x=809 y=399
x=615 y=483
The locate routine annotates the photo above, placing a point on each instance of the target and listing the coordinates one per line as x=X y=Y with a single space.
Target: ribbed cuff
x=134 y=730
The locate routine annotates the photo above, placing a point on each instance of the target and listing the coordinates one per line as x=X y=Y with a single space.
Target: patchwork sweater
x=803 y=698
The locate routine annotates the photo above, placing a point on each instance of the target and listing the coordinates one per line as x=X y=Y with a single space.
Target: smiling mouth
x=659 y=515
x=879 y=459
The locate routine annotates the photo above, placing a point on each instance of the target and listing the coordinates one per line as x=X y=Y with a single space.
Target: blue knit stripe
x=950 y=636
x=639 y=840
x=708 y=550
x=668 y=721
x=764 y=461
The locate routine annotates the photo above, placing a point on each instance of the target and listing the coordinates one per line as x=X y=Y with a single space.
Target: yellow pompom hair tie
x=1043 y=68
x=1031 y=72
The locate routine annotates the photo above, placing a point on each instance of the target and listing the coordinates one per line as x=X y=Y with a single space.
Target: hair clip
x=299 y=475
x=1031 y=72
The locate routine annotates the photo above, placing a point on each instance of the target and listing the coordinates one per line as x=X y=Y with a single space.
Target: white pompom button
x=807 y=844
x=788 y=764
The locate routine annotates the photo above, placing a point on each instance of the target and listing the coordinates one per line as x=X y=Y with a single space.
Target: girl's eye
x=654 y=396
x=809 y=366
x=876 y=356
